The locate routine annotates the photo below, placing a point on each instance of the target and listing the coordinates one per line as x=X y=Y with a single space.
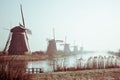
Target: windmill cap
x=18 y=29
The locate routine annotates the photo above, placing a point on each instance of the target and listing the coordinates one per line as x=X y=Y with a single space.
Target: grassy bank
x=98 y=74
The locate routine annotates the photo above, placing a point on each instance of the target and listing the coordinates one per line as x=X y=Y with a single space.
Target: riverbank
x=31 y=57
x=23 y=57
x=98 y=74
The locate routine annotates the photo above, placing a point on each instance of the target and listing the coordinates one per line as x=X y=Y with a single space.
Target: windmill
x=66 y=46
x=75 y=48
x=17 y=43
x=52 y=49
x=81 y=49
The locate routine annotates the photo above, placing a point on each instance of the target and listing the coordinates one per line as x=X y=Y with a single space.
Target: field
x=98 y=74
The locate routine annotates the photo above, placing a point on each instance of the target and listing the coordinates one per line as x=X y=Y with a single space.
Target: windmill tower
x=81 y=49
x=75 y=48
x=52 y=49
x=17 y=43
x=66 y=47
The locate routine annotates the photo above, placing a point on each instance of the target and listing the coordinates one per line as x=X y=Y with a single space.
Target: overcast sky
x=95 y=24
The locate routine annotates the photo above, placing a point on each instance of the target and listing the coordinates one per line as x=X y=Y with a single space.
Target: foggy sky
x=94 y=24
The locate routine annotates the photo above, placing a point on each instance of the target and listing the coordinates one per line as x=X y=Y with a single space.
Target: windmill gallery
x=16 y=57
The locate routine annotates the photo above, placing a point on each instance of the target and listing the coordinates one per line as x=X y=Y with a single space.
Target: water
x=69 y=61
x=44 y=65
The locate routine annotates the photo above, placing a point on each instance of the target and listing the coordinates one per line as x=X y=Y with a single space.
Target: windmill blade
x=65 y=44
x=47 y=39
x=65 y=39
x=25 y=28
x=62 y=44
x=6 y=29
x=74 y=46
x=53 y=33
x=7 y=43
x=28 y=31
x=26 y=36
x=22 y=15
x=27 y=42
x=59 y=40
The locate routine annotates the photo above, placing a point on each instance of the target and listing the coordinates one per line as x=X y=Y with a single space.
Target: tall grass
x=12 y=69
x=96 y=62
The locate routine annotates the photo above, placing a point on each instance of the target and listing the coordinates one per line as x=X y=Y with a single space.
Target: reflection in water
x=80 y=61
x=44 y=65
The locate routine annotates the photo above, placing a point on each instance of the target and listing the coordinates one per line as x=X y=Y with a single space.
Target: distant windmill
x=81 y=49
x=52 y=49
x=17 y=43
x=75 y=48
x=66 y=46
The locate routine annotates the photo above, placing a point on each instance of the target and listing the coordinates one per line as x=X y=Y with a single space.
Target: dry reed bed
x=97 y=74
x=94 y=63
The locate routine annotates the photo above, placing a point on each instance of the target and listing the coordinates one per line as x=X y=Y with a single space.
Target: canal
x=83 y=61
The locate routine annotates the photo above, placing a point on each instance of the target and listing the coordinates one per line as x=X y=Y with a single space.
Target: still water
x=68 y=61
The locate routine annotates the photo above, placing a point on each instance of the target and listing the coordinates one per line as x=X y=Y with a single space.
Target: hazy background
x=95 y=24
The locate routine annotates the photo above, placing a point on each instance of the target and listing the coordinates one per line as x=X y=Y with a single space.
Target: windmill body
x=17 y=44
x=51 y=49
x=66 y=48
x=75 y=49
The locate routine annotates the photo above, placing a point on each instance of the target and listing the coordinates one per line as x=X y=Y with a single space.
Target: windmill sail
x=27 y=30
x=53 y=33
x=22 y=15
x=5 y=49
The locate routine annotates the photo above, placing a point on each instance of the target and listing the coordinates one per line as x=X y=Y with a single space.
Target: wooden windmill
x=52 y=49
x=17 y=43
x=66 y=47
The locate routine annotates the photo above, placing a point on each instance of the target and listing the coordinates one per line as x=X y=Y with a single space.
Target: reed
x=12 y=70
x=96 y=62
